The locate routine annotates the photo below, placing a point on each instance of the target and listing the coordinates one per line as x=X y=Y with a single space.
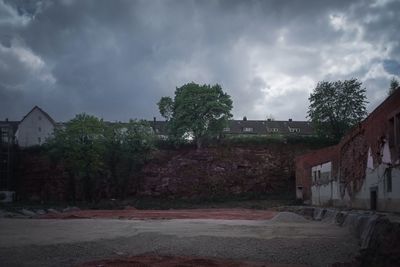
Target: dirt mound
x=172 y=261
x=223 y=214
x=288 y=217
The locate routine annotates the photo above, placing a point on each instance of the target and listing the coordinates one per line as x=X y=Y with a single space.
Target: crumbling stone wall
x=213 y=171
x=221 y=171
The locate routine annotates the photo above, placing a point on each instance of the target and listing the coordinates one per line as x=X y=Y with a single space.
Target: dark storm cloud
x=392 y=66
x=115 y=59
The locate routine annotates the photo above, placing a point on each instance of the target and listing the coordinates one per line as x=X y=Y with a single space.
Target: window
x=39 y=129
x=294 y=130
x=273 y=130
x=227 y=129
x=394 y=134
x=319 y=174
x=388 y=175
x=4 y=135
x=39 y=140
x=397 y=131
x=247 y=129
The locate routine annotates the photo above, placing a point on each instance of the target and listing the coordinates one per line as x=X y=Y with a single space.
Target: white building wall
x=377 y=179
x=34 y=129
x=324 y=189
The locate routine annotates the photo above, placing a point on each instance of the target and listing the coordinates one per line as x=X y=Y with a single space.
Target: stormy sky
x=115 y=59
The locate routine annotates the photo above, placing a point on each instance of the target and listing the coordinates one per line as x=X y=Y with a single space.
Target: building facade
x=363 y=170
x=35 y=128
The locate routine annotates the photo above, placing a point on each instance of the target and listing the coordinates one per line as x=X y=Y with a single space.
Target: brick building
x=363 y=170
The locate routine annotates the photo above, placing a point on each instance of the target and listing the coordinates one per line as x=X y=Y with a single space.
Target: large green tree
x=198 y=111
x=337 y=106
x=80 y=147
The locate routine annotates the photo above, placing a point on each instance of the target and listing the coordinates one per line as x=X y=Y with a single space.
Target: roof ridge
x=41 y=110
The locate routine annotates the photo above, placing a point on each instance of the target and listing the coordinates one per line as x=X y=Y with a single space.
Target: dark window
x=397 y=131
x=394 y=131
x=40 y=129
x=388 y=180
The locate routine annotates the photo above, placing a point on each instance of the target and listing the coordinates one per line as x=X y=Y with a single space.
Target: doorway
x=374 y=198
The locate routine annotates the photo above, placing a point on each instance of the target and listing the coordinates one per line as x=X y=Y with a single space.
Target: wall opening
x=388 y=175
x=374 y=198
x=299 y=192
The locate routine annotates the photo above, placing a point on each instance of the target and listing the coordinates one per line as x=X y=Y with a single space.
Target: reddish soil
x=225 y=214
x=172 y=261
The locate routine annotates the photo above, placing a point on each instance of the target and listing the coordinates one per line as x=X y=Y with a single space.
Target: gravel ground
x=33 y=242
x=288 y=217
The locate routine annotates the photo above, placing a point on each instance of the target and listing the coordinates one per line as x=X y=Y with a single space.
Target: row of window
x=270 y=130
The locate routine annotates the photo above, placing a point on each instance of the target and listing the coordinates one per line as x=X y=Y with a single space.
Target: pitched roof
x=43 y=112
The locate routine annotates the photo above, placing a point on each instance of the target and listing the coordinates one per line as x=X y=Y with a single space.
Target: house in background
x=363 y=170
x=37 y=126
x=34 y=128
x=269 y=127
x=247 y=127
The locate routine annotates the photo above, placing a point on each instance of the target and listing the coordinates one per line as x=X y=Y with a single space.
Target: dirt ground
x=170 y=261
x=223 y=214
x=219 y=237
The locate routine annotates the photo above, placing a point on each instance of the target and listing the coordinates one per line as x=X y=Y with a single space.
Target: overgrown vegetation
x=100 y=156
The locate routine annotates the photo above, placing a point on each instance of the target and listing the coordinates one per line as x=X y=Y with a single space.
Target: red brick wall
x=352 y=152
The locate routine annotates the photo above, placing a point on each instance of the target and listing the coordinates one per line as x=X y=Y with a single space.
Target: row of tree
x=93 y=152
x=202 y=111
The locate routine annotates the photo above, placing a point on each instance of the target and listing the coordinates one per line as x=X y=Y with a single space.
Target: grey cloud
x=392 y=67
x=115 y=59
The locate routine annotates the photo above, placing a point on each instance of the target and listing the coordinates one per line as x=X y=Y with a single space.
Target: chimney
x=268 y=119
x=6 y=119
x=244 y=118
x=290 y=119
x=154 y=119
